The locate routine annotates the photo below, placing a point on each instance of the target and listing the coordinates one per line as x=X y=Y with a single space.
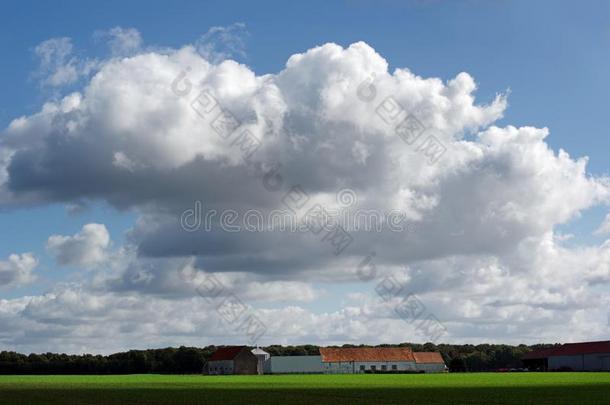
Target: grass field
x=483 y=388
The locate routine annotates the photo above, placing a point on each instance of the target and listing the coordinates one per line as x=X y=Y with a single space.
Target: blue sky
x=551 y=57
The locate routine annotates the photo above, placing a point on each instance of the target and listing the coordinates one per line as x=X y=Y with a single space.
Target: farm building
x=262 y=357
x=380 y=359
x=243 y=360
x=586 y=356
x=235 y=360
x=294 y=365
x=429 y=362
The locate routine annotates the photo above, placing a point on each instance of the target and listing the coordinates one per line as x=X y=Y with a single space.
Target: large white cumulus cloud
x=308 y=112
x=484 y=251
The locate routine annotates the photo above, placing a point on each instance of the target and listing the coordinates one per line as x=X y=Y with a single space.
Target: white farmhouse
x=367 y=359
x=380 y=360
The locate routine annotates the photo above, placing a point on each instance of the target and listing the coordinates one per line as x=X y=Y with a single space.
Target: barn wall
x=400 y=365
x=293 y=365
x=246 y=363
x=573 y=362
x=588 y=362
x=431 y=367
x=220 y=367
x=354 y=367
x=338 y=367
x=597 y=362
x=606 y=363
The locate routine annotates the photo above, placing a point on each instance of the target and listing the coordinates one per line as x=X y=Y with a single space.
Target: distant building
x=262 y=357
x=293 y=365
x=233 y=360
x=363 y=359
x=379 y=360
x=429 y=362
x=586 y=356
x=243 y=360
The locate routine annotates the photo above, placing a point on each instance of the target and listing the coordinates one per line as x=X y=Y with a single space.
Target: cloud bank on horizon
x=484 y=254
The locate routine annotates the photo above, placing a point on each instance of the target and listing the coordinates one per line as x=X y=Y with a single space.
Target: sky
x=146 y=150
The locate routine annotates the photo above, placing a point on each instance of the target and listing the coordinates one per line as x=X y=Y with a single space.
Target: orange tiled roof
x=331 y=354
x=428 y=357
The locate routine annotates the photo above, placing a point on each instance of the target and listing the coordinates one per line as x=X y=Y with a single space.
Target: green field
x=483 y=388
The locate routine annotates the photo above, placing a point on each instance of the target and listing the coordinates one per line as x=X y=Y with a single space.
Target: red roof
x=539 y=354
x=331 y=354
x=428 y=357
x=571 y=349
x=226 y=353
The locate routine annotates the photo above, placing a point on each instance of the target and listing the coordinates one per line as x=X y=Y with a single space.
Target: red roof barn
x=584 y=356
x=233 y=360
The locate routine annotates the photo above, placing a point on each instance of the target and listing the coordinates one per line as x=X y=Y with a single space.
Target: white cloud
x=122 y=41
x=604 y=227
x=221 y=43
x=17 y=270
x=85 y=248
x=75 y=319
x=485 y=254
x=124 y=271
x=58 y=65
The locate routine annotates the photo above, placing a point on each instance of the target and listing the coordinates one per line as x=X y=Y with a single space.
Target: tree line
x=190 y=360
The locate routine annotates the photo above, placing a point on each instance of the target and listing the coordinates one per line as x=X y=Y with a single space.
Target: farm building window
x=384 y=367
x=362 y=367
x=394 y=367
x=373 y=368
